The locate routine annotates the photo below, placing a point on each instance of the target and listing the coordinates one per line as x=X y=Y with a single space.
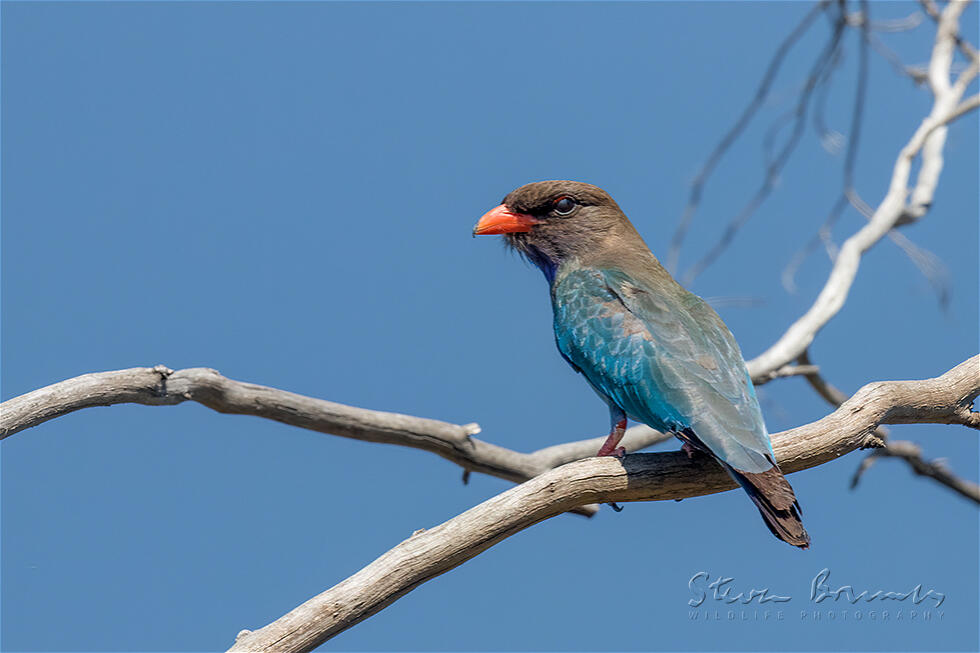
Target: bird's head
x=550 y=222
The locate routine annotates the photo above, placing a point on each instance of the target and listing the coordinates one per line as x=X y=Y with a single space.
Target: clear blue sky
x=285 y=192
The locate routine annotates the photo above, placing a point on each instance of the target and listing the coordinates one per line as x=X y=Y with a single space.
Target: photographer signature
x=722 y=589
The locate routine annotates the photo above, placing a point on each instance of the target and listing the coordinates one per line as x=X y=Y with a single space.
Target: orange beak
x=502 y=220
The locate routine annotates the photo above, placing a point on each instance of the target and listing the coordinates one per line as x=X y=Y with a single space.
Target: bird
x=654 y=352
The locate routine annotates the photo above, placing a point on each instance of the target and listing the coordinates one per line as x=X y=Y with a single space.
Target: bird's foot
x=619 y=452
x=609 y=447
x=690 y=451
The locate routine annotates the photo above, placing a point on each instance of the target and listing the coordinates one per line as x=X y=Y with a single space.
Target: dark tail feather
x=773 y=496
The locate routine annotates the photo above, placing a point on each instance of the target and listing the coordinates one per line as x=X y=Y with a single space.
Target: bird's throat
x=547 y=264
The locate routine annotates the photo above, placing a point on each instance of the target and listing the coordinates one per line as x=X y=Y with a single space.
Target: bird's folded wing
x=666 y=358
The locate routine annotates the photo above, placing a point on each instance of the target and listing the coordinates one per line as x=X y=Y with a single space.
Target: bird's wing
x=667 y=360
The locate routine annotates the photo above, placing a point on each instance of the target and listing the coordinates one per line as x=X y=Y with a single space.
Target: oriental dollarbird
x=653 y=351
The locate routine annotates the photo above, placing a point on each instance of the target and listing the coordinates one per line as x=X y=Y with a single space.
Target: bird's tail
x=772 y=495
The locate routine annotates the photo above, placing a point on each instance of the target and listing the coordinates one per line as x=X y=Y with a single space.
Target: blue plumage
x=668 y=362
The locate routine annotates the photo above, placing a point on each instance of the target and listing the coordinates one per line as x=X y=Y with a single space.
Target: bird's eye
x=564 y=205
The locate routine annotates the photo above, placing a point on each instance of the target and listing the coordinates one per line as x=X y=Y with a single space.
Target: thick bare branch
x=640 y=477
x=830 y=393
x=933 y=11
x=929 y=139
x=160 y=386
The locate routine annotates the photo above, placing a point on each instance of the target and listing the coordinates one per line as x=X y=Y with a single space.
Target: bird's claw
x=618 y=452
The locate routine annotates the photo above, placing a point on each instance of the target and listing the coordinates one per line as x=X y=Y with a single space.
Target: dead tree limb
x=911 y=453
x=639 y=477
x=161 y=386
x=929 y=140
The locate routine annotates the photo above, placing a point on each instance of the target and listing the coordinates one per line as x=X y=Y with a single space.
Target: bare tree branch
x=761 y=93
x=639 y=477
x=929 y=139
x=160 y=386
x=966 y=105
x=908 y=451
x=917 y=74
x=829 y=392
x=848 y=194
x=910 y=22
x=929 y=265
x=803 y=369
x=911 y=453
x=819 y=74
x=933 y=11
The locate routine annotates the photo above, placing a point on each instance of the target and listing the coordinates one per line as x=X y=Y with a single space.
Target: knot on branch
x=163 y=370
x=968 y=417
x=873 y=441
x=463 y=442
x=164 y=373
